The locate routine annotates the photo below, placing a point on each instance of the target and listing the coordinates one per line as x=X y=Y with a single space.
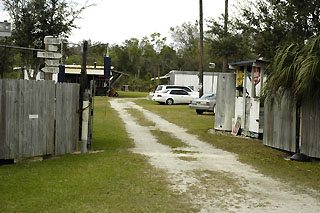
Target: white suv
x=186 y=88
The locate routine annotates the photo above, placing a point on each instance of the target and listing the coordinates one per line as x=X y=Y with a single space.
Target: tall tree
x=186 y=43
x=234 y=45
x=35 y=19
x=275 y=23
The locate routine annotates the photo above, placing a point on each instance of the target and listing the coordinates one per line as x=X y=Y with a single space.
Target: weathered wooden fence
x=67 y=118
x=280 y=128
x=32 y=123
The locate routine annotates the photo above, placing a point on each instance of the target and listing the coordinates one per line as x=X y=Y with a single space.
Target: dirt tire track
x=216 y=181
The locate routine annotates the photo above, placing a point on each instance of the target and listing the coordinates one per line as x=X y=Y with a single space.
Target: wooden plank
x=51 y=114
x=2 y=119
x=11 y=119
x=280 y=124
x=75 y=118
x=310 y=125
x=67 y=98
x=58 y=113
x=268 y=125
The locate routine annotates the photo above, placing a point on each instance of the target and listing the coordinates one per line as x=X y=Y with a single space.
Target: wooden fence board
x=280 y=124
x=2 y=119
x=310 y=128
x=268 y=126
x=67 y=121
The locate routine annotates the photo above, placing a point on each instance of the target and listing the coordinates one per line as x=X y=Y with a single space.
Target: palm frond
x=295 y=70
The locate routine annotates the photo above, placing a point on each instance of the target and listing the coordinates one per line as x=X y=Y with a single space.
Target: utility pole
x=225 y=60
x=201 y=50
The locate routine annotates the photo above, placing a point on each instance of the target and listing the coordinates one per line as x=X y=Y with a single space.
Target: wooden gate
x=32 y=123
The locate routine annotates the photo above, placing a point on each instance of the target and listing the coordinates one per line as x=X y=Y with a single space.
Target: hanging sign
x=239 y=78
x=256 y=75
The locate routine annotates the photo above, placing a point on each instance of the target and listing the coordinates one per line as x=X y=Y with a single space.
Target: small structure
x=248 y=108
x=238 y=103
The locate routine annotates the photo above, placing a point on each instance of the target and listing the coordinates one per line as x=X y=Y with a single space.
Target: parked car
x=206 y=103
x=172 y=96
x=186 y=88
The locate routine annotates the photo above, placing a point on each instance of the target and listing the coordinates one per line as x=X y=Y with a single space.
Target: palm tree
x=295 y=71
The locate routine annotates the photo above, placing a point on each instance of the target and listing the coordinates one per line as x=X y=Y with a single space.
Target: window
x=187 y=89
x=178 y=92
x=174 y=92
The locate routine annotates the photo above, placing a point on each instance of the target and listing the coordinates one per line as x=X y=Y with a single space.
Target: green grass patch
x=268 y=161
x=167 y=139
x=178 y=151
x=115 y=180
x=123 y=94
x=141 y=119
x=185 y=158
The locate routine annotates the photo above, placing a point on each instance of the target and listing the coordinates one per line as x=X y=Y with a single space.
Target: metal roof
x=248 y=63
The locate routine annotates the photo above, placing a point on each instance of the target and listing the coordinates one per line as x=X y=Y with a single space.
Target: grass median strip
x=167 y=139
x=140 y=118
x=115 y=180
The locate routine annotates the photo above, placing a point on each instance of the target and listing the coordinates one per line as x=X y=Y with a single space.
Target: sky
x=114 y=21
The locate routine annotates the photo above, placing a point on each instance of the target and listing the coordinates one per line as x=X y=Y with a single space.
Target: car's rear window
x=165 y=91
x=159 y=88
x=208 y=96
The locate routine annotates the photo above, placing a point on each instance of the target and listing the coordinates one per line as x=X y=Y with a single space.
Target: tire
x=169 y=101
x=200 y=112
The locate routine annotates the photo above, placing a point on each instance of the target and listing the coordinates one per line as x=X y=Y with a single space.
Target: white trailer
x=191 y=79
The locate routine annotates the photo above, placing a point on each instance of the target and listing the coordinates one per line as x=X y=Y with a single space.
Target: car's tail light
x=159 y=96
x=208 y=103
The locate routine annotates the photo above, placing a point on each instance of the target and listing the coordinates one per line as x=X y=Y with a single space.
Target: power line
x=22 y=48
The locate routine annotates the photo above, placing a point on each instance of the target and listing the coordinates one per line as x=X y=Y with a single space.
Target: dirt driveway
x=214 y=179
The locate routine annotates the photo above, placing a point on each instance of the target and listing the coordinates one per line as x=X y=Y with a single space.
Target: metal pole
x=201 y=50
x=83 y=85
x=225 y=60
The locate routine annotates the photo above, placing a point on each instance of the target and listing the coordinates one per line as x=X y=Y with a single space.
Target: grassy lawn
x=268 y=161
x=123 y=94
x=115 y=180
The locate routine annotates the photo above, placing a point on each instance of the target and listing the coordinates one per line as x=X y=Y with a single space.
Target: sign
x=52 y=63
x=5 y=29
x=256 y=75
x=50 y=69
x=48 y=55
x=239 y=78
x=51 y=66
x=36 y=116
x=51 y=40
x=236 y=128
x=52 y=48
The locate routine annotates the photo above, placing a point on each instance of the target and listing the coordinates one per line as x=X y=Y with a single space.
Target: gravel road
x=214 y=179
